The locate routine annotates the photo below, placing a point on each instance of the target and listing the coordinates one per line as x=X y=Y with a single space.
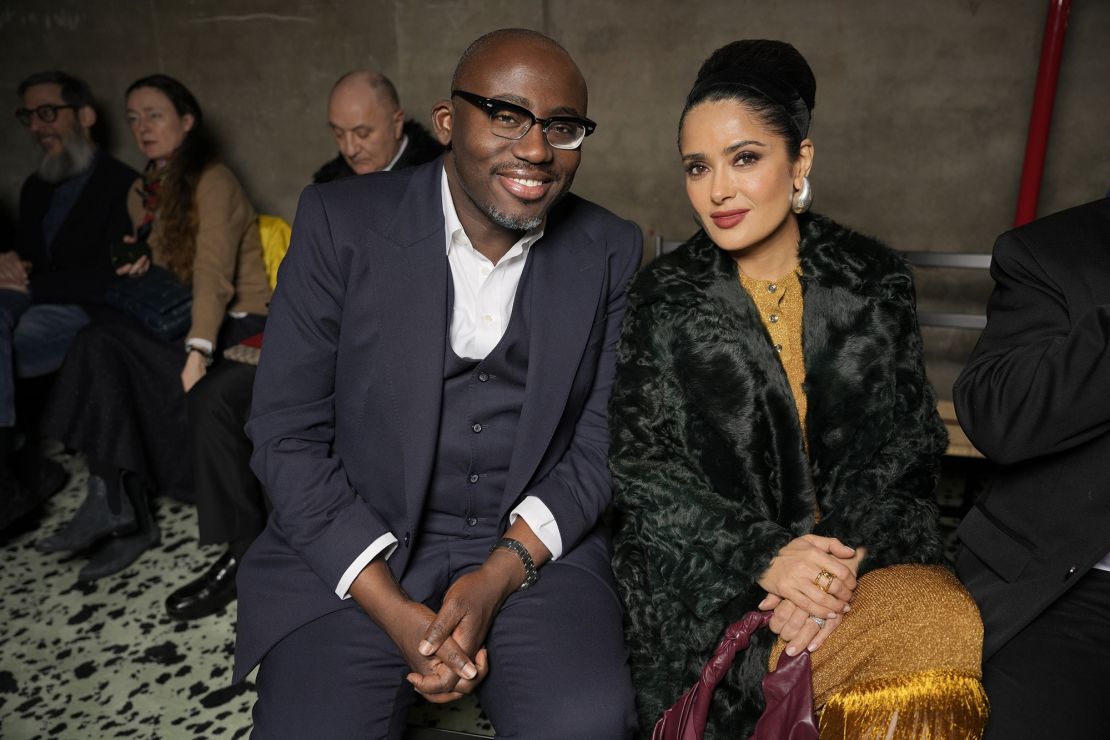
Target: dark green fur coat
x=711 y=474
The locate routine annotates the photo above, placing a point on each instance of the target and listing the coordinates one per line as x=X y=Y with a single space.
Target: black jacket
x=79 y=266
x=1035 y=397
x=421 y=148
x=711 y=474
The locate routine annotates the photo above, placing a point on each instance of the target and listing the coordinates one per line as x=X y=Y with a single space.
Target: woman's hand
x=13 y=272
x=800 y=630
x=195 y=369
x=798 y=575
x=136 y=268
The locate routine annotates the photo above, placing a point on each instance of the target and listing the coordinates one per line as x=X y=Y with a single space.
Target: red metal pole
x=1052 y=48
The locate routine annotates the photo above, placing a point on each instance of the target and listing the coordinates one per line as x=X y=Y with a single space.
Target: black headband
x=767 y=86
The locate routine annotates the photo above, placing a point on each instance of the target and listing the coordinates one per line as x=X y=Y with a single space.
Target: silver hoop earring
x=803 y=198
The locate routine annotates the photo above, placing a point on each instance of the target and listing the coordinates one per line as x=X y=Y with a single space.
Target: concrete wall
x=922 y=107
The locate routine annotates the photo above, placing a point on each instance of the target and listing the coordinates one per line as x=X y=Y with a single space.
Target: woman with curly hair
x=776 y=443
x=120 y=396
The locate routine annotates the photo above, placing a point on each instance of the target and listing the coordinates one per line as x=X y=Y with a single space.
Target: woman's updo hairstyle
x=177 y=207
x=769 y=78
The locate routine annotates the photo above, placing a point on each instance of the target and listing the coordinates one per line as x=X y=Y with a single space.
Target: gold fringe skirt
x=904 y=663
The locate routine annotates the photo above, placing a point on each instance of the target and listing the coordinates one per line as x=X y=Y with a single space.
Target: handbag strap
x=788 y=690
x=738 y=636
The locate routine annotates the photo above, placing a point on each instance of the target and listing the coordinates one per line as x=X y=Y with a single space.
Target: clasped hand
x=798 y=596
x=441 y=669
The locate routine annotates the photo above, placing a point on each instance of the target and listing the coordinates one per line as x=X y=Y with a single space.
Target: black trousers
x=231 y=505
x=1052 y=680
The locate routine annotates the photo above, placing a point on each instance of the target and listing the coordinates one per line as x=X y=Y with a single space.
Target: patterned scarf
x=153 y=178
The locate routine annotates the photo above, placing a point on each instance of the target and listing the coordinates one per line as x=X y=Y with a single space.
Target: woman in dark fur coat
x=776 y=442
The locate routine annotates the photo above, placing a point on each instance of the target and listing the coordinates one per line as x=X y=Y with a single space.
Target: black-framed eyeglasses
x=45 y=113
x=511 y=121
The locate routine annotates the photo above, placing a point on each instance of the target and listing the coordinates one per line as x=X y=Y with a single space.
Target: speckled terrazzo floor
x=102 y=660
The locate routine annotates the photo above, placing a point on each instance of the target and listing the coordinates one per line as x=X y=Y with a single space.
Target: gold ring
x=824 y=580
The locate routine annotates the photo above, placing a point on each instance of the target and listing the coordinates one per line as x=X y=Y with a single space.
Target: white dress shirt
x=483 y=306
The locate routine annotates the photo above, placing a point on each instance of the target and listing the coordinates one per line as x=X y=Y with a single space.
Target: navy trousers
x=558 y=665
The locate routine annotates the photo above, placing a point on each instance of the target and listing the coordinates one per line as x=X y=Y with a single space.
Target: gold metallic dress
x=906 y=661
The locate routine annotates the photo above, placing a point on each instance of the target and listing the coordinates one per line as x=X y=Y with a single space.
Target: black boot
x=207 y=594
x=103 y=513
x=120 y=552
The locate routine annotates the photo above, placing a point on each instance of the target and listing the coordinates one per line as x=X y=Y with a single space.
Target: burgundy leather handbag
x=787 y=691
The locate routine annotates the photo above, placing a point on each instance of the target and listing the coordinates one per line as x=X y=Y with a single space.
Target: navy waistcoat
x=482 y=401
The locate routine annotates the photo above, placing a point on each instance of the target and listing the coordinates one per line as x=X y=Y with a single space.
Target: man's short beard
x=76 y=156
x=514 y=223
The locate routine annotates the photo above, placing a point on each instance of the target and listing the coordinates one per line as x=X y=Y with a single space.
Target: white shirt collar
x=455 y=234
x=400 y=151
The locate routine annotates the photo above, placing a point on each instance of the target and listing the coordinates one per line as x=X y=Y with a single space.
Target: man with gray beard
x=71 y=210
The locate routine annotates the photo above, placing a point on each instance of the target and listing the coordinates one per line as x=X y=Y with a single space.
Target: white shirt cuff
x=384 y=545
x=537 y=516
x=202 y=344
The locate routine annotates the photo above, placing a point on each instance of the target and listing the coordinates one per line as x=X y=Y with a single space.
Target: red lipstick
x=728 y=219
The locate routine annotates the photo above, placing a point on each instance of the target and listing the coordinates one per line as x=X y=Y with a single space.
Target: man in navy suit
x=429 y=420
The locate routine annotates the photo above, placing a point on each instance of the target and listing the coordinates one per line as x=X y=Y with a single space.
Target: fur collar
x=858 y=307
x=831 y=255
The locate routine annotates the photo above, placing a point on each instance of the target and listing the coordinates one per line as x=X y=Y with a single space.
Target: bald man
x=370 y=130
x=429 y=421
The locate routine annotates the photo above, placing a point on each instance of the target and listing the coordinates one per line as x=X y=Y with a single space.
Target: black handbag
x=157 y=300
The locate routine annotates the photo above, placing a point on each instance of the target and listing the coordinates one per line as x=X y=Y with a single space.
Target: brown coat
x=228 y=272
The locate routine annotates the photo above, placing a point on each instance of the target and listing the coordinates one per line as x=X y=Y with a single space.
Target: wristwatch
x=530 y=573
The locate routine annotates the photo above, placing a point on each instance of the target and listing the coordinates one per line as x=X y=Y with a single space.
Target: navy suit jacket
x=346 y=405
x=1035 y=397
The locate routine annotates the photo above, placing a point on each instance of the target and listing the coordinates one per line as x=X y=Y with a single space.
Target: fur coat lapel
x=852 y=285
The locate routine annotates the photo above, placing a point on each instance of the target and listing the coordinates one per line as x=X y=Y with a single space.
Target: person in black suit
x=1035 y=398
x=430 y=424
x=71 y=210
x=365 y=117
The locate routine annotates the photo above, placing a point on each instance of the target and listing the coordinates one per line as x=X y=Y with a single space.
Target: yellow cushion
x=275 y=233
